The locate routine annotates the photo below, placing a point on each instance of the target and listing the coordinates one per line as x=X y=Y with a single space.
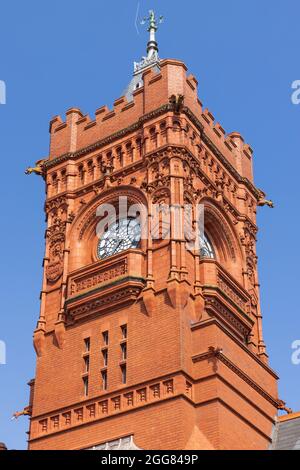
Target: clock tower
x=149 y=334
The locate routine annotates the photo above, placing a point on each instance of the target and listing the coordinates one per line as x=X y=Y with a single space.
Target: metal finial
x=152 y=59
x=153 y=22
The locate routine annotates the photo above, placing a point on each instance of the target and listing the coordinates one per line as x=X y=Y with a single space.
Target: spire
x=152 y=47
x=152 y=59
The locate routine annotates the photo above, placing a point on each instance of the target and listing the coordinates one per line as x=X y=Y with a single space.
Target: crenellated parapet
x=78 y=130
x=79 y=134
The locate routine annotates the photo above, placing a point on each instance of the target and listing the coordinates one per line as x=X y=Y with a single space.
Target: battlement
x=79 y=130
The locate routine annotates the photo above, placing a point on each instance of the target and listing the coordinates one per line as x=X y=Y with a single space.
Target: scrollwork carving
x=161 y=196
x=56 y=210
x=54 y=268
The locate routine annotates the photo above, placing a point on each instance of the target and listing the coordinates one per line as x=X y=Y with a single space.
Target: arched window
x=206 y=248
x=99 y=165
x=54 y=183
x=176 y=126
x=139 y=147
x=119 y=154
x=153 y=136
x=129 y=152
x=81 y=174
x=63 y=179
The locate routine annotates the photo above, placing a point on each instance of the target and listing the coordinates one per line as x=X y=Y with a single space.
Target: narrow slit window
x=86 y=364
x=87 y=344
x=124 y=373
x=104 y=379
x=124 y=331
x=124 y=351
x=105 y=357
x=105 y=338
x=86 y=386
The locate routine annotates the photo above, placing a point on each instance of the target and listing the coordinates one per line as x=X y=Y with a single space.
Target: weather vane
x=152 y=57
x=153 y=22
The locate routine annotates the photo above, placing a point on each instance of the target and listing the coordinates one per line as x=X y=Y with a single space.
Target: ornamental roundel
x=54 y=268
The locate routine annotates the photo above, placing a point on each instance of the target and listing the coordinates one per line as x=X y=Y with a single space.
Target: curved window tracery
x=120 y=236
x=206 y=248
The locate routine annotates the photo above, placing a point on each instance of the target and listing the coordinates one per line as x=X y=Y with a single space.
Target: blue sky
x=57 y=54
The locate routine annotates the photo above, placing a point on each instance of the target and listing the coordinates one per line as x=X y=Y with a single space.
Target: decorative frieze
x=231 y=292
x=91 y=280
x=102 y=302
x=56 y=210
x=117 y=403
x=239 y=324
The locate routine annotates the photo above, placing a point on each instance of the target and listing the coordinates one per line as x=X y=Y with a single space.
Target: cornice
x=233 y=410
x=99 y=300
x=219 y=355
x=205 y=323
x=96 y=290
x=236 y=390
x=177 y=394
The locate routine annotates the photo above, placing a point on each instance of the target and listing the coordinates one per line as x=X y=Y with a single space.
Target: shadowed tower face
x=150 y=341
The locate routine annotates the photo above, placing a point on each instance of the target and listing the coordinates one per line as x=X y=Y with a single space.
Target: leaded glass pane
x=206 y=249
x=121 y=235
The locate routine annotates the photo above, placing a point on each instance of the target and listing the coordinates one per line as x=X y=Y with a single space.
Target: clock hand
x=121 y=241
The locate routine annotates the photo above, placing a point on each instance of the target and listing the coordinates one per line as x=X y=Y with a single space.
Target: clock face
x=121 y=235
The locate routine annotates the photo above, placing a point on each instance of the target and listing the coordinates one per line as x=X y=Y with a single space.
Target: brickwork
x=197 y=373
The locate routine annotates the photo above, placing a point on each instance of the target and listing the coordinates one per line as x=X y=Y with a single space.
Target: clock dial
x=121 y=235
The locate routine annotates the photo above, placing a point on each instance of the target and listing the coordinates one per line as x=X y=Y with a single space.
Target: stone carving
x=91 y=280
x=262 y=201
x=177 y=102
x=250 y=271
x=54 y=205
x=56 y=210
x=90 y=216
x=123 y=295
x=71 y=217
x=161 y=196
x=248 y=240
x=232 y=293
x=214 y=307
x=119 y=403
x=159 y=183
x=54 y=267
x=38 y=169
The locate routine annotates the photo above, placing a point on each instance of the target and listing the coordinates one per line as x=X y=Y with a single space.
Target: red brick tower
x=148 y=343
